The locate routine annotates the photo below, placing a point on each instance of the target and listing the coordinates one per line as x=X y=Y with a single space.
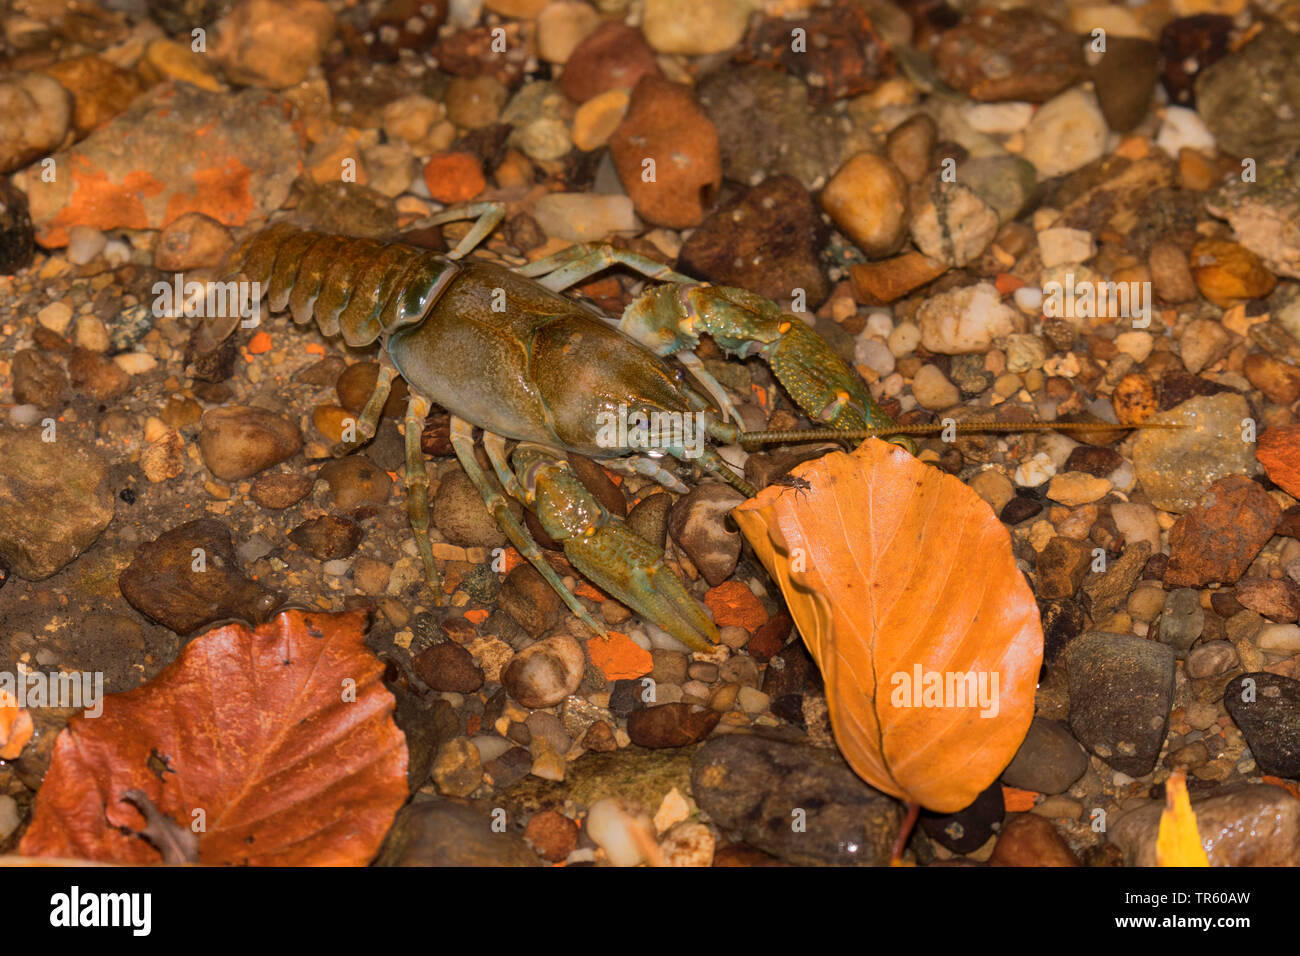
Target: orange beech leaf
x=904 y=588
x=1178 y=841
x=283 y=737
x=15 y=727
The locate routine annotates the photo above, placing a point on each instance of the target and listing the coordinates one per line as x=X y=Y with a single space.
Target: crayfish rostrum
x=505 y=351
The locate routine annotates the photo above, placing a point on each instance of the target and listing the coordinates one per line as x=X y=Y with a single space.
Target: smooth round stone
x=1183 y=128
x=932 y=389
x=24 y=414
x=875 y=355
x=880 y=324
x=616 y=831
x=1210 y=658
x=1066 y=133
x=84 y=244
x=904 y=339
x=544 y=673
x=1280 y=638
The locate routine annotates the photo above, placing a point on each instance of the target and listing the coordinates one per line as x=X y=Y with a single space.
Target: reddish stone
x=734 y=605
x=846 y=57
x=448 y=667
x=1278 y=599
x=1009 y=55
x=1189 y=45
x=664 y=123
x=615 y=55
x=770 y=638
x=1279 y=452
x=1217 y=540
x=470 y=53
x=454 y=177
x=670 y=725
x=553 y=835
x=1289 y=524
x=244 y=155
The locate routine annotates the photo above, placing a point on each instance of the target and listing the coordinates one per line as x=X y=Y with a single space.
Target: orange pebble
x=733 y=605
x=619 y=658
x=476 y=616
x=1017 y=800
x=260 y=343
x=454 y=177
x=585 y=590
x=1133 y=147
x=1007 y=283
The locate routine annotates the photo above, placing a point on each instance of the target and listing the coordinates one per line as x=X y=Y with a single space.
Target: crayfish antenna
x=961 y=428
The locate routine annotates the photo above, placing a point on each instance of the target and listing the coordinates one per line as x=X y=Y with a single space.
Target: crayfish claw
x=607 y=552
x=670 y=319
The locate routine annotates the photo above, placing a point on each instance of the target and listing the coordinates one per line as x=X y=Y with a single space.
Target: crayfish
x=502 y=349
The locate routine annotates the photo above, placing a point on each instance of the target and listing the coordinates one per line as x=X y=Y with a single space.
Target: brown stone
x=600 y=738
x=238 y=441
x=553 y=835
x=1030 y=840
x=1171 y=276
x=189 y=577
x=277 y=492
x=1276 y=379
x=1061 y=567
x=1278 y=451
x=1134 y=398
x=765 y=240
x=867 y=198
x=883 y=282
x=357 y=383
x=770 y=638
x=1278 y=599
x=448 y=667
x=328 y=537
x=1242 y=825
x=99 y=90
x=192 y=241
x=274 y=43
x=95 y=376
x=848 y=56
x=614 y=55
x=664 y=123
x=37 y=379
x=1220 y=536
x=1009 y=55
x=1228 y=273
x=595 y=480
x=527 y=598
x=670 y=725
x=544 y=673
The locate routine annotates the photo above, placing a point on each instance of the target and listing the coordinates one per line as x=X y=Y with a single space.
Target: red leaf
x=255 y=728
